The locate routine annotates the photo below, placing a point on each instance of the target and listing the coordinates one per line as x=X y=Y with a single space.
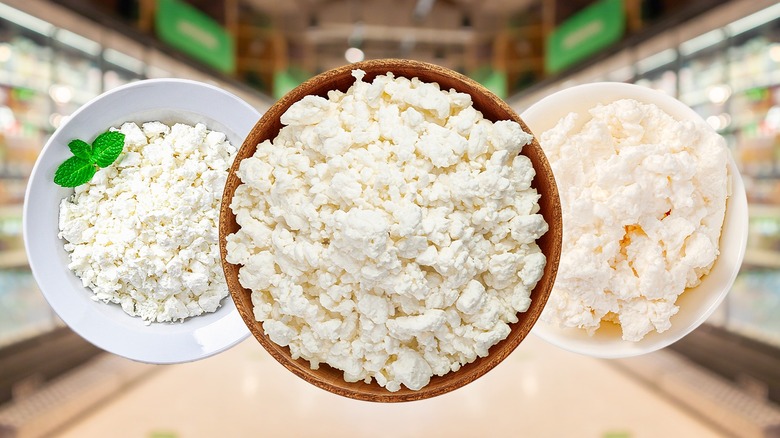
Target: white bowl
x=107 y=325
x=696 y=304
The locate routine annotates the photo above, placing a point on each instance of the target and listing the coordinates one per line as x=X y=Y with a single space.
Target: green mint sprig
x=86 y=159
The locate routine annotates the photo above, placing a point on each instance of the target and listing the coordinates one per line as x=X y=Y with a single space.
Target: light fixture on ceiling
x=702 y=42
x=26 y=20
x=774 y=52
x=422 y=9
x=61 y=94
x=355 y=38
x=77 y=42
x=55 y=120
x=120 y=59
x=754 y=20
x=5 y=52
x=719 y=94
x=354 y=54
x=7 y=119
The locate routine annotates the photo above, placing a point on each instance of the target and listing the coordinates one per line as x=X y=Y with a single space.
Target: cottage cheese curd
x=643 y=198
x=144 y=232
x=388 y=231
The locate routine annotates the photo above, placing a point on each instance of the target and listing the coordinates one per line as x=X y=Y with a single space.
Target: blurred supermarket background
x=720 y=57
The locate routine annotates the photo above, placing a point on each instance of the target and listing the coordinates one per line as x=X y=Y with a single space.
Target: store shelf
x=12 y=176
x=11 y=210
x=16 y=258
x=754 y=84
x=18 y=81
x=764 y=210
x=753 y=332
x=695 y=98
x=761 y=176
x=762 y=258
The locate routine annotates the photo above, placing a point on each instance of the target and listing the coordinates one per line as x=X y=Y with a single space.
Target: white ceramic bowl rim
x=696 y=304
x=106 y=325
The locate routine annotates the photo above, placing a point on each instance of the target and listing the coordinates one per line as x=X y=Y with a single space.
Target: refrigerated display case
x=701 y=74
x=25 y=108
x=43 y=78
x=115 y=76
x=120 y=69
x=76 y=74
x=663 y=79
x=727 y=68
x=51 y=63
x=46 y=73
x=754 y=107
x=733 y=82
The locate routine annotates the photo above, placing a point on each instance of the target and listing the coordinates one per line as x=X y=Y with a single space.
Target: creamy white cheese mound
x=144 y=232
x=643 y=198
x=388 y=231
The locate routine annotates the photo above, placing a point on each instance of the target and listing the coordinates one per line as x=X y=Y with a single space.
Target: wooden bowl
x=493 y=109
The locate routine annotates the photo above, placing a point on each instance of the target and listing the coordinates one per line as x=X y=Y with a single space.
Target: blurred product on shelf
x=727 y=70
x=23 y=311
x=754 y=304
x=46 y=73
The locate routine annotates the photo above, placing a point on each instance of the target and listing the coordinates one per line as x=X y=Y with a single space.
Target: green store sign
x=196 y=34
x=589 y=31
x=493 y=80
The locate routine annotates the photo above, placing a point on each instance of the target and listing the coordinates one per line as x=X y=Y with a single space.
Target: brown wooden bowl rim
x=498 y=352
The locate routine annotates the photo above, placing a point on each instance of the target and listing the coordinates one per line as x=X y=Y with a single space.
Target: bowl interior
x=107 y=326
x=492 y=108
x=696 y=304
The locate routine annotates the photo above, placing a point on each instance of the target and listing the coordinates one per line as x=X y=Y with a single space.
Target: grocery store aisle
x=539 y=391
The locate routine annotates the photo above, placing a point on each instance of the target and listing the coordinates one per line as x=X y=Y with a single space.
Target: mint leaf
x=81 y=149
x=107 y=147
x=75 y=171
x=81 y=167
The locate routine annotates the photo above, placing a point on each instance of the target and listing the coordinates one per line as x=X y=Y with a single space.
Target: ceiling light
x=55 y=120
x=356 y=37
x=719 y=94
x=702 y=42
x=714 y=122
x=25 y=20
x=7 y=118
x=622 y=74
x=774 y=52
x=772 y=118
x=725 y=120
x=61 y=93
x=422 y=8
x=353 y=54
x=754 y=20
x=77 y=41
x=5 y=52
x=120 y=59
x=657 y=60
x=719 y=122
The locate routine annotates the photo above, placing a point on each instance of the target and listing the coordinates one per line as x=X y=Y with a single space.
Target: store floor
x=539 y=391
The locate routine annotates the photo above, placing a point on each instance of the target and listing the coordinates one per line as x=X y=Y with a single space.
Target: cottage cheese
x=388 y=231
x=144 y=232
x=643 y=199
